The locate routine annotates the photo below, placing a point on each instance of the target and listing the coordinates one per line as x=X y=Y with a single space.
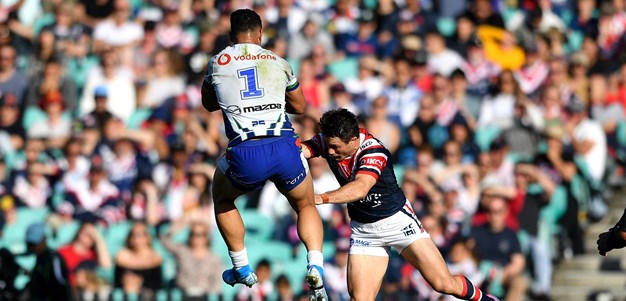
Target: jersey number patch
x=251 y=80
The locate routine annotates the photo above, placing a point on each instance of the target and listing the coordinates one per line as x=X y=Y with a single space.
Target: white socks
x=315 y=258
x=239 y=258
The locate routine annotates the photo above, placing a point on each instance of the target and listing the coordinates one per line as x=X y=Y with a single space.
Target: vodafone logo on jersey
x=224 y=59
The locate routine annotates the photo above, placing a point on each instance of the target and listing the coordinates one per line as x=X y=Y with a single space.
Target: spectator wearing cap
x=12 y=80
x=56 y=127
x=441 y=60
x=367 y=85
x=121 y=93
x=100 y=114
x=93 y=198
x=165 y=81
x=587 y=138
x=336 y=271
x=49 y=277
x=11 y=123
x=363 y=41
x=498 y=110
x=302 y=43
x=53 y=79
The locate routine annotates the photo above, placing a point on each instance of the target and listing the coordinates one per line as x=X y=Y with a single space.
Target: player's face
x=339 y=150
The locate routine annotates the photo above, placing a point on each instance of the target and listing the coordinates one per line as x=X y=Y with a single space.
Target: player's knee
x=444 y=285
x=362 y=296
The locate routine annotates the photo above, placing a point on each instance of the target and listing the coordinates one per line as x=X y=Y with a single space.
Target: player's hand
x=318 y=200
x=608 y=241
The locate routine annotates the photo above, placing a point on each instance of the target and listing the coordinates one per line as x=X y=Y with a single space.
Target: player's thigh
x=223 y=190
x=365 y=276
x=302 y=195
x=424 y=255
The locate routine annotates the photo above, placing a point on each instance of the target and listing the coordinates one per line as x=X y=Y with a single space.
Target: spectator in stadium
x=198 y=268
x=170 y=33
x=507 y=258
x=485 y=14
x=379 y=125
x=441 y=60
x=316 y=91
x=33 y=188
x=11 y=123
x=500 y=165
x=11 y=79
x=367 y=85
x=340 y=98
x=92 y=198
x=263 y=288
x=587 y=138
x=498 y=110
x=49 y=277
x=403 y=97
x=138 y=265
x=100 y=114
x=534 y=71
x=87 y=246
x=363 y=41
x=609 y=113
x=118 y=30
x=118 y=80
x=523 y=136
x=53 y=79
x=164 y=80
x=56 y=127
x=302 y=43
x=284 y=289
x=336 y=271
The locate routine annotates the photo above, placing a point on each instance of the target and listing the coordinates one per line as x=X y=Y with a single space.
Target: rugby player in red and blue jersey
x=381 y=217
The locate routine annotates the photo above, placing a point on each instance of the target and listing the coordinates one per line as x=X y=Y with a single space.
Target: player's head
x=245 y=26
x=341 y=131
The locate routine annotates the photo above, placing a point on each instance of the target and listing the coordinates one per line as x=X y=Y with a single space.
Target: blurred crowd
x=505 y=119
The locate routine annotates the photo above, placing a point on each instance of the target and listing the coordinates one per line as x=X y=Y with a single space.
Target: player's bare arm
x=295 y=102
x=353 y=191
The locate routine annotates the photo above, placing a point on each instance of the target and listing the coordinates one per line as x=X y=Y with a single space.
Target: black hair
x=264 y=263
x=339 y=123
x=244 y=20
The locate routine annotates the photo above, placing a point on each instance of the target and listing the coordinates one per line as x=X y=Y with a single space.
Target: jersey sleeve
x=292 y=80
x=315 y=145
x=208 y=74
x=372 y=162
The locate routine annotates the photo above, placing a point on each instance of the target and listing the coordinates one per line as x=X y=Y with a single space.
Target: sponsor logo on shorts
x=359 y=242
x=295 y=180
x=267 y=106
x=408 y=230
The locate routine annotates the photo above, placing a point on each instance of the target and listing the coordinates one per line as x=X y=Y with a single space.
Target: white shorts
x=397 y=231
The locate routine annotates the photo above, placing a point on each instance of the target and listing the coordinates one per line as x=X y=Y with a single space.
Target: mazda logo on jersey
x=223 y=59
x=233 y=109
x=263 y=107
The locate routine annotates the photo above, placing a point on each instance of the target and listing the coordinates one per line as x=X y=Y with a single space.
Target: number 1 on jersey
x=252 y=90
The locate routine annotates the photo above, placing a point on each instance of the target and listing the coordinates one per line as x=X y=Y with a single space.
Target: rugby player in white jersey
x=255 y=89
x=381 y=216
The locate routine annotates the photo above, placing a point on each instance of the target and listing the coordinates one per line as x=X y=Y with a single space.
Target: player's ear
x=260 y=38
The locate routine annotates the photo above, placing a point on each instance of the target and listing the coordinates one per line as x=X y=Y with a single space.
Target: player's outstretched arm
x=296 y=103
x=353 y=191
x=614 y=238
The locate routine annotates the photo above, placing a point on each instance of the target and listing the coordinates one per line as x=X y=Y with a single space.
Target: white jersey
x=250 y=83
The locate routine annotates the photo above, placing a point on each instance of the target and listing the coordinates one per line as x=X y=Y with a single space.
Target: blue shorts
x=252 y=162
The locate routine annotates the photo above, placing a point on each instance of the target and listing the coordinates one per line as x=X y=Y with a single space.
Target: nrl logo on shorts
x=233 y=109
